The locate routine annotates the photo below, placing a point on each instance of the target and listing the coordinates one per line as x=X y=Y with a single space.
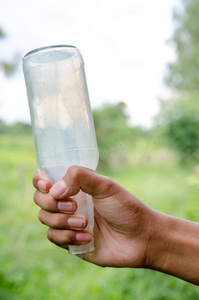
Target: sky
x=123 y=43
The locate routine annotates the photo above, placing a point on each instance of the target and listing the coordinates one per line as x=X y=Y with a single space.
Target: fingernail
x=84 y=237
x=58 y=189
x=66 y=206
x=76 y=222
x=41 y=185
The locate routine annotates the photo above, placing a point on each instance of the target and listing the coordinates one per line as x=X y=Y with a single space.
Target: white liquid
x=55 y=172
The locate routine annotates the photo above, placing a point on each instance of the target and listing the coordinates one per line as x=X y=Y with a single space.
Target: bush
x=179 y=121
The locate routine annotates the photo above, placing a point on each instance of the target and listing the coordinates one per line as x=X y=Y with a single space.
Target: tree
x=182 y=74
x=17 y=128
x=178 y=121
x=180 y=114
x=114 y=135
x=8 y=67
x=2 y=34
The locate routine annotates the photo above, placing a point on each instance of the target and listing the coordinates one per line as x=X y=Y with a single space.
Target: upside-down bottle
x=61 y=119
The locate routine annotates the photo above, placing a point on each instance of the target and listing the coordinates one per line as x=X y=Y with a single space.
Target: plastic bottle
x=61 y=118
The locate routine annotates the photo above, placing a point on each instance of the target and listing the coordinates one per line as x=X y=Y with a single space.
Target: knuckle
x=75 y=172
x=50 y=202
x=68 y=237
x=109 y=184
x=55 y=221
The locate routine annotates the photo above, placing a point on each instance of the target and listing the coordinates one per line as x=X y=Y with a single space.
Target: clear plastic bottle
x=61 y=118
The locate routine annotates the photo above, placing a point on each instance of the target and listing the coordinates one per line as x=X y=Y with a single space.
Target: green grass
x=33 y=268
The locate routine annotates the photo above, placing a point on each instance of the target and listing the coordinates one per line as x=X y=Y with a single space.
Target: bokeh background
x=141 y=60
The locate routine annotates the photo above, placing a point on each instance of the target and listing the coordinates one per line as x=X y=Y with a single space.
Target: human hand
x=122 y=222
x=127 y=232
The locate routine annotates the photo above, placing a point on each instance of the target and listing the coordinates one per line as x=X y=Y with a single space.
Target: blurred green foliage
x=17 y=128
x=2 y=33
x=182 y=74
x=8 y=67
x=113 y=133
x=178 y=123
x=178 y=120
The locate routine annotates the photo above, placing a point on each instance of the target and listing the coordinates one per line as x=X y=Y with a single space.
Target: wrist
x=157 y=247
x=173 y=247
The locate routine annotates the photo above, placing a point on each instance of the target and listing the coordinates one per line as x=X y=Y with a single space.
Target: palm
x=117 y=239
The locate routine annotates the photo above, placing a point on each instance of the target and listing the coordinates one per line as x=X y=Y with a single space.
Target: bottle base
x=81 y=249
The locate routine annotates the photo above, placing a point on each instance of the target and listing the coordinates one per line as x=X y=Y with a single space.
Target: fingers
x=48 y=203
x=41 y=182
x=85 y=179
x=66 y=227
x=63 y=238
x=62 y=221
x=64 y=224
x=75 y=179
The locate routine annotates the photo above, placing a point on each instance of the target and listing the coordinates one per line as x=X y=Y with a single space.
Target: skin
x=127 y=232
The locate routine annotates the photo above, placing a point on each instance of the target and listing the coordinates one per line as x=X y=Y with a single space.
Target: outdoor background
x=143 y=80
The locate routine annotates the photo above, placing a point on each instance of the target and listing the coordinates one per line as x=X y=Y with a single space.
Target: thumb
x=85 y=179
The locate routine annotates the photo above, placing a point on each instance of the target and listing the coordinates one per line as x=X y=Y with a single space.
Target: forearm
x=174 y=247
